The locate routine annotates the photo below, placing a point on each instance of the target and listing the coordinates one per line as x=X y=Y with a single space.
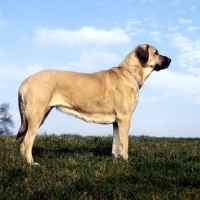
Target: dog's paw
x=33 y=164
x=115 y=156
x=125 y=156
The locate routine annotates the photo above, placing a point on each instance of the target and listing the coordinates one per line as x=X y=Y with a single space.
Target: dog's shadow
x=101 y=150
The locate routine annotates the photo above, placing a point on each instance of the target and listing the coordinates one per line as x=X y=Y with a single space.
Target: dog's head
x=143 y=60
x=149 y=56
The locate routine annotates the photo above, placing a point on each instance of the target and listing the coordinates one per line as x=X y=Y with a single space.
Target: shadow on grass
x=101 y=150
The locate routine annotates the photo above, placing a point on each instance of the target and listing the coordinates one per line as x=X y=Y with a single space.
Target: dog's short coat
x=105 y=97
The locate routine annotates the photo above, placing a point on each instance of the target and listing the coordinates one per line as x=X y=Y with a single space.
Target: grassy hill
x=75 y=167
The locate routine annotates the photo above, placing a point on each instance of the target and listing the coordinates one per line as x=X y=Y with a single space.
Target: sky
x=89 y=36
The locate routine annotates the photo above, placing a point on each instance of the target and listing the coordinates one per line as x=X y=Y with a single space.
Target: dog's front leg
x=115 y=145
x=123 y=129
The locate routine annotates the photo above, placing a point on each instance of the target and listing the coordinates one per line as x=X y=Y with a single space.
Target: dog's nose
x=169 y=60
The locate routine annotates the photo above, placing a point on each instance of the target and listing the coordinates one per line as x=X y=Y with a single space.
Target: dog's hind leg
x=24 y=124
x=35 y=118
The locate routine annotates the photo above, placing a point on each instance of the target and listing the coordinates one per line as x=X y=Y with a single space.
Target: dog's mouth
x=164 y=65
x=160 y=67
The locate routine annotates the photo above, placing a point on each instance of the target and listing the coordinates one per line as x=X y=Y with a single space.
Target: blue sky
x=89 y=36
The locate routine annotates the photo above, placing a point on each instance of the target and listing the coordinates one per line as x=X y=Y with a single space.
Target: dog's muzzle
x=164 y=65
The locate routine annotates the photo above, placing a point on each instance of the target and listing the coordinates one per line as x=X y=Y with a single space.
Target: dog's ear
x=142 y=53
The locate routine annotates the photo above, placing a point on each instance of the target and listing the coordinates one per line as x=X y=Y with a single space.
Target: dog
x=104 y=97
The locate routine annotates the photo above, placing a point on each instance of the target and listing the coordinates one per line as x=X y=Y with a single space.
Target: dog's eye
x=156 y=53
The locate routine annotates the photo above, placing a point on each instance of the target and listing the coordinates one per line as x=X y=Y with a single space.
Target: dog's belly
x=100 y=118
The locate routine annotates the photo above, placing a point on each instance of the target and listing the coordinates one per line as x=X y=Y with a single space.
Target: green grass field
x=75 y=167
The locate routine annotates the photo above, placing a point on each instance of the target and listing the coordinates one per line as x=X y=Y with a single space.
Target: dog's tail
x=22 y=106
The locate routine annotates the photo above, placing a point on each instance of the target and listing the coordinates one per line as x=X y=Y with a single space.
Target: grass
x=75 y=167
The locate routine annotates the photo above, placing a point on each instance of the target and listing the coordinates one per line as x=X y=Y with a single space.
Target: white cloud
x=150 y=18
x=185 y=21
x=154 y=25
x=192 y=28
x=179 y=40
x=189 y=52
x=31 y=69
x=84 y=36
x=183 y=86
x=93 y=61
x=148 y=99
x=8 y=69
x=2 y=21
x=144 y=1
x=173 y=28
x=192 y=8
x=132 y=22
x=153 y=21
x=1 y=54
x=156 y=35
x=176 y=2
x=135 y=31
x=9 y=72
x=131 y=27
x=86 y=62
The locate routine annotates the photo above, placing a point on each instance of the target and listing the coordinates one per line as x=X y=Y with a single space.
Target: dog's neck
x=133 y=75
x=139 y=76
x=146 y=72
